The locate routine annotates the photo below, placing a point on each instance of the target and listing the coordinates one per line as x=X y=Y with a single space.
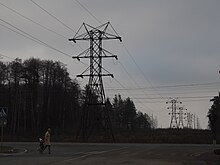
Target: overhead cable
x=52 y=16
x=3 y=55
x=29 y=36
x=29 y=19
x=88 y=12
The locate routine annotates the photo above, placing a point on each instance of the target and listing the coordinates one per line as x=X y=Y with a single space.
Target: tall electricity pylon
x=95 y=114
x=173 y=107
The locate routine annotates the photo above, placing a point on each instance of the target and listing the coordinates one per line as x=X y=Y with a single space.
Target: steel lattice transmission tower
x=174 y=113
x=181 y=117
x=95 y=112
x=189 y=119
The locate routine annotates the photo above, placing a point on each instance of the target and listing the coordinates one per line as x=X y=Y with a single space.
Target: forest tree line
x=214 y=118
x=40 y=94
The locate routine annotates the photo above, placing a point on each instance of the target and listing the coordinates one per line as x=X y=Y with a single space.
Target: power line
x=128 y=52
x=89 y=12
x=169 y=86
x=52 y=16
x=181 y=97
x=7 y=56
x=19 y=33
x=179 y=93
x=189 y=85
x=31 y=37
x=130 y=93
x=13 y=10
x=162 y=101
x=128 y=74
x=132 y=79
x=141 y=71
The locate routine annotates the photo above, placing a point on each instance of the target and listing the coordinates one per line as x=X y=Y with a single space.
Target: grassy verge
x=6 y=149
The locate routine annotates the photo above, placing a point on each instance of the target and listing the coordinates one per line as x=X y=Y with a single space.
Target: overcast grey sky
x=165 y=43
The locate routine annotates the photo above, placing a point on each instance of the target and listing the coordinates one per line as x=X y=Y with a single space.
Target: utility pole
x=95 y=113
x=173 y=107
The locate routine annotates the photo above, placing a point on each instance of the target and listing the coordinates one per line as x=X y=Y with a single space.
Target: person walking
x=47 y=143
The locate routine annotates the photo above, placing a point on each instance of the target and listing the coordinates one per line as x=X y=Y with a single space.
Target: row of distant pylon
x=179 y=114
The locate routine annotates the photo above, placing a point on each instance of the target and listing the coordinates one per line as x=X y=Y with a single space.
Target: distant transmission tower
x=95 y=114
x=198 y=123
x=173 y=107
x=194 y=120
x=181 y=117
x=189 y=119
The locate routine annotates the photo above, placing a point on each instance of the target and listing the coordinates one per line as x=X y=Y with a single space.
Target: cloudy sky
x=170 y=48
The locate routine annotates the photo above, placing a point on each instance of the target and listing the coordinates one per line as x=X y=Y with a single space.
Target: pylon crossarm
x=78 y=57
x=73 y=39
x=85 y=36
x=94 y=75
x=85 y=26
x=93 y=31
x=105 y=25
x=81 y=37
x=85 y=53
x=114 y=30
x=111 y=36
x=82 y=74
x=112 y=55
x=108 y=73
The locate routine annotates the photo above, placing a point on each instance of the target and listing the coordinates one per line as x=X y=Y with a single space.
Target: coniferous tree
x=214 y=117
